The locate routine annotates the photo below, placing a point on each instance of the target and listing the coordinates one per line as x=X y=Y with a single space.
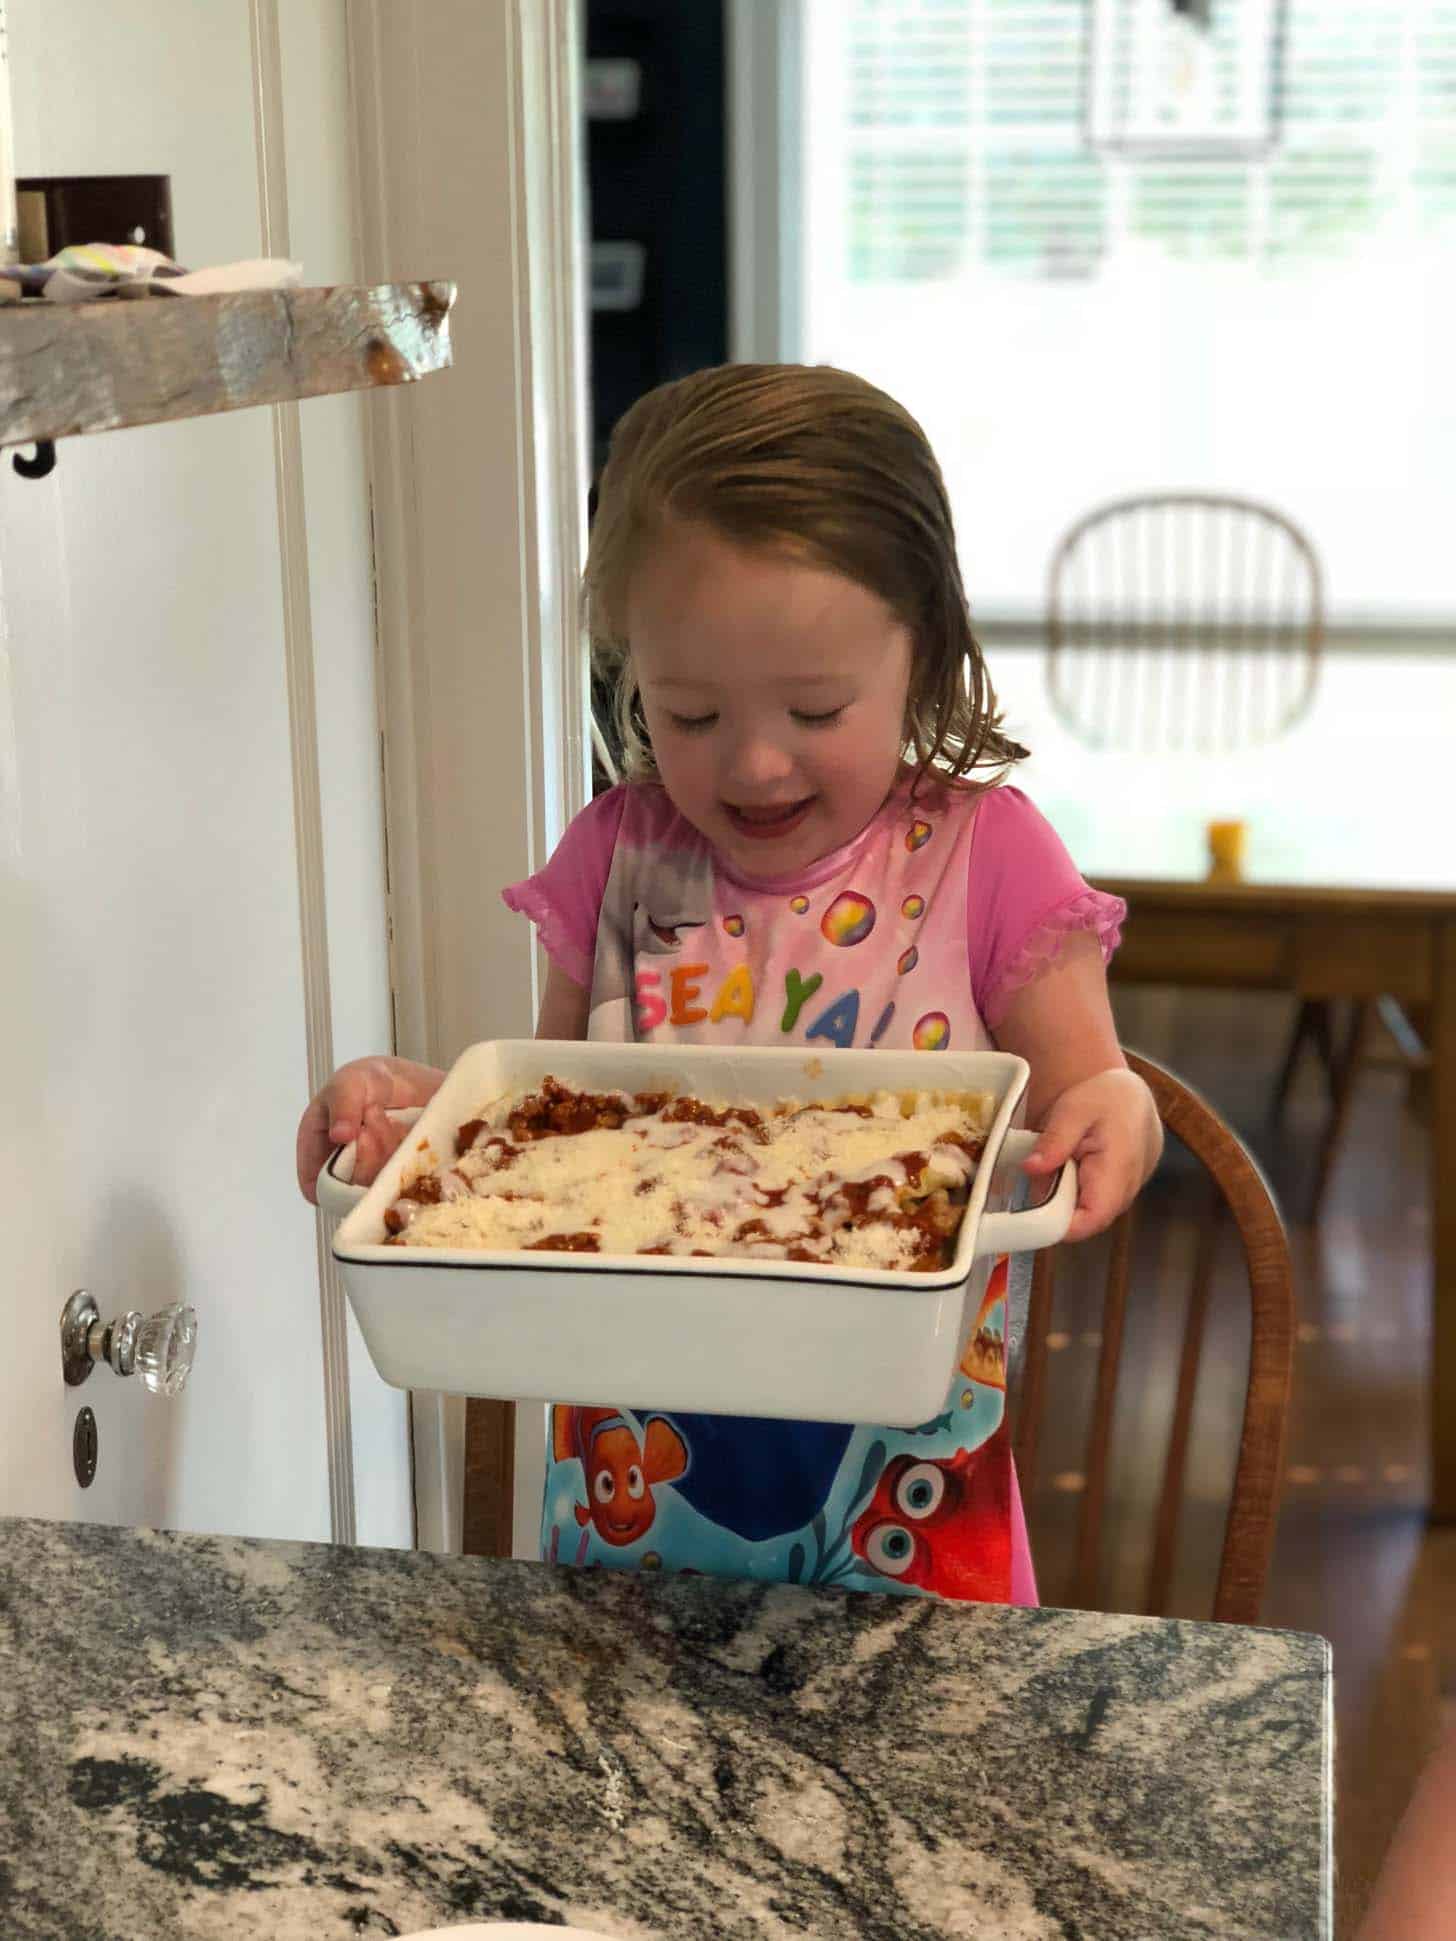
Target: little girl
x=814 y=845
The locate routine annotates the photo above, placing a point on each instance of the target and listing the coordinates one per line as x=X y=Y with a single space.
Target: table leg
x=1443 y=1225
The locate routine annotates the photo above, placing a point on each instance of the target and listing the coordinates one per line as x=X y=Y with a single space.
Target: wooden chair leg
x=1304 y=1029
x=1324 y=1043
x=490 y=1478
x=1031 y=1396
x=1086 y=1581
x=1409 y=1026
x=1342 y=1088
x=1406 y=1032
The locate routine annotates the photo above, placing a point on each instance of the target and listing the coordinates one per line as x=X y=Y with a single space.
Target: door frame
x=468 y=161
x=299 y=662
x=765 y=166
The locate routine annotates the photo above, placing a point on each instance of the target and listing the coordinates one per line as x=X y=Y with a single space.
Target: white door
x=172 y=954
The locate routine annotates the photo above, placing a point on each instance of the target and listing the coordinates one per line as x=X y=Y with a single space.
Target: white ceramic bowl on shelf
x=725 y=1336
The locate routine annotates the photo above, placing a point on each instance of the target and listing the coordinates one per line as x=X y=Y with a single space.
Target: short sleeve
x=564 y=898
x=1024 y=899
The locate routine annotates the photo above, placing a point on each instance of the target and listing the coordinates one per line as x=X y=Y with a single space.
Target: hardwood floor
x=1354 y=1560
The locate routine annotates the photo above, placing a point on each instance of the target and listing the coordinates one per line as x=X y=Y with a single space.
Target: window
x=1071 y=323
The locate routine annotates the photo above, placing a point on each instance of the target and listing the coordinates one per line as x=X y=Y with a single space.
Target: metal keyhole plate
x=83 y=1448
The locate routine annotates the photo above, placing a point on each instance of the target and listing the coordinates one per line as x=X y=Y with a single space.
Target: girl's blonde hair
x=814 y=462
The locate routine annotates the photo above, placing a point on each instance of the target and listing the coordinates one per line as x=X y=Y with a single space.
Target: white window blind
x=959 y=224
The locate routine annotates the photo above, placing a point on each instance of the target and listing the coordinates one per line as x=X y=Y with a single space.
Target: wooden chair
x=1237 y=1190
x=1183 y=620
x=1195 y=621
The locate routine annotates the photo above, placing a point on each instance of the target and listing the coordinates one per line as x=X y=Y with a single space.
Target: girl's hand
x=1089 y=1106
x=1110 y=1126
x=353 y=1106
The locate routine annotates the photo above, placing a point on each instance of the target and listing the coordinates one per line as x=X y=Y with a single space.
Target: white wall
x=147 y=657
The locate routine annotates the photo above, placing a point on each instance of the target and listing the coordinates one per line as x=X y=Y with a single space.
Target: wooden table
x=1348 y=888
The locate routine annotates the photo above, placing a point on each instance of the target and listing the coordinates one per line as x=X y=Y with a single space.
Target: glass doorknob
x=158 y=1347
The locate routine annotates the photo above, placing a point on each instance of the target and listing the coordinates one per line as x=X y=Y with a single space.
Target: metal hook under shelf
x=43 y=463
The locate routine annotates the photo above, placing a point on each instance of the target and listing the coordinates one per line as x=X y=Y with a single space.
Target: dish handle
x=1029 y=1228
x=336 y=1192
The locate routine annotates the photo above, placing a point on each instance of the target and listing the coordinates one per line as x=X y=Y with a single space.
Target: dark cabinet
x=657 y=182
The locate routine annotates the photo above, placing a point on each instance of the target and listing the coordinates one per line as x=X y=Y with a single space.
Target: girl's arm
x=564 y=1007
x=1085 y=1102
x=358 y=1098
x=354 y=1105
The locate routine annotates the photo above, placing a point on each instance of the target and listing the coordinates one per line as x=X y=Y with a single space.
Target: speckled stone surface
x=209 y=1737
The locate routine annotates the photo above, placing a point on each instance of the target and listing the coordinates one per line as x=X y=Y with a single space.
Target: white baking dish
x=732 y=1337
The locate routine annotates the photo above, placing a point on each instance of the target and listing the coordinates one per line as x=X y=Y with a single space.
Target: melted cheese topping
x=880 y=1185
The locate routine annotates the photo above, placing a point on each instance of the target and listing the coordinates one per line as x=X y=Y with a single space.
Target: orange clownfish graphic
x=985 y=1357
x=619 y=1470
x=943 y=1526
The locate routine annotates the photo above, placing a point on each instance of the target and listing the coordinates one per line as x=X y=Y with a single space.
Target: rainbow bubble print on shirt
x=849 y=919
x=917 y=835
x=734 y=926
x=913 y=907
x=932 y=1032
x=799 y=905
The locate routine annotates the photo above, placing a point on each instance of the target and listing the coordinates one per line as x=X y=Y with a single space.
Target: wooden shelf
x=68 y=369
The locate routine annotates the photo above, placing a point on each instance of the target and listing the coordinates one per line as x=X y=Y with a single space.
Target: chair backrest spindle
x=1104 y=1405
x=1238 y=1198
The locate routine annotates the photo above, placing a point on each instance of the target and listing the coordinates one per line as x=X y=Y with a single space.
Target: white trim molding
x=298 y=648
x=468 y=146
x=765 y=273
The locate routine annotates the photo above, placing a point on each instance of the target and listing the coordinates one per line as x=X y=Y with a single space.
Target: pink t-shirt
x=916 y=933
x=1024 y=895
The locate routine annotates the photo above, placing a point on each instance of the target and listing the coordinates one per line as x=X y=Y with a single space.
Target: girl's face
x=774 y=693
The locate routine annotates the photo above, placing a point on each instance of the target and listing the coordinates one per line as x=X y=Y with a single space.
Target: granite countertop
x=202 y=1736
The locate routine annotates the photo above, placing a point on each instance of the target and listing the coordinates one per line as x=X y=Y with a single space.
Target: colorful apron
x=867 y=948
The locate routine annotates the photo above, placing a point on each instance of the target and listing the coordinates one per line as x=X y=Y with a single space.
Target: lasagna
x=879 y=1181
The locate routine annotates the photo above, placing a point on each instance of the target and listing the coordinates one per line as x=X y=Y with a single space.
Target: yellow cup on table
x=1226 y=842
